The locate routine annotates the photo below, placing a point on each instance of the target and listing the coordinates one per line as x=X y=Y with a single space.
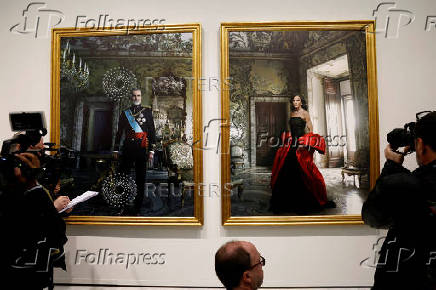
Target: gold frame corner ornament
x=368 y=27
x=195 y=29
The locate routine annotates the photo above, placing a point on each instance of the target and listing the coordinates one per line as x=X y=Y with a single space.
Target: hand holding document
x=81 y=198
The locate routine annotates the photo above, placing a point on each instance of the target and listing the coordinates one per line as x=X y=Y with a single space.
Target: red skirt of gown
x=297 y=185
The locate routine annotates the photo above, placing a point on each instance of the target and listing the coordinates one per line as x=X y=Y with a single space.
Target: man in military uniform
x=137 y=125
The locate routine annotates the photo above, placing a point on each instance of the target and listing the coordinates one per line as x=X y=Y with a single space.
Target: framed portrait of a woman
x=299 y=100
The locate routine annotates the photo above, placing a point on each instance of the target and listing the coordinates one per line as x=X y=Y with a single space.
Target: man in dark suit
x=137 y=125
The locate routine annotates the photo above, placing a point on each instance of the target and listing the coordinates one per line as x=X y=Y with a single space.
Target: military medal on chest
x=140 y=118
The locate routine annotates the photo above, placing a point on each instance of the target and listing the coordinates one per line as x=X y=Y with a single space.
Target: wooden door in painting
x=271 y=121
x=102 y=130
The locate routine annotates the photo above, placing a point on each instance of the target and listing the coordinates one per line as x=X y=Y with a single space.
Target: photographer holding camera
x=33 y=233
x=35 y=143
x=404 y=202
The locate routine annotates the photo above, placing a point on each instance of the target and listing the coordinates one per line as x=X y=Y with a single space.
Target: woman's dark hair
x=303 y=102
x=230 y=267
x=425 y=129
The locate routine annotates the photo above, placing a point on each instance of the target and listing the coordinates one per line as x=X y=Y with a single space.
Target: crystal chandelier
x=118 y=83
x=76 y=77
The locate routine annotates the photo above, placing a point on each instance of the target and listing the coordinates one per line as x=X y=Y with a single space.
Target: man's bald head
x=234 y=260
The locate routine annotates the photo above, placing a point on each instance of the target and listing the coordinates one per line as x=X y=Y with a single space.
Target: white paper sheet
x=81 y=198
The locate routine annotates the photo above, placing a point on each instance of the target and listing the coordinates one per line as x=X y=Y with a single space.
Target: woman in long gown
x=297 y=185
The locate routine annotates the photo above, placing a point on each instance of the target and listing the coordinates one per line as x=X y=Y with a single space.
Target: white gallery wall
x=297 y=256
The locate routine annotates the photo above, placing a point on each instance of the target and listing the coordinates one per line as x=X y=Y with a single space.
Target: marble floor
x=161 y=197
x=256 y=193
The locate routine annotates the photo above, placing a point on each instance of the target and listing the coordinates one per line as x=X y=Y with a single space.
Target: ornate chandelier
x=119 y=190
x=76 y=77
x=118 y=83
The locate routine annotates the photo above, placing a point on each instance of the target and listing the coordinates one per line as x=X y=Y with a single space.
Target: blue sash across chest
x=132 y=121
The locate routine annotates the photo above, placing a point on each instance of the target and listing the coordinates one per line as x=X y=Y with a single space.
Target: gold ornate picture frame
x=331 y=67
x=93 y=72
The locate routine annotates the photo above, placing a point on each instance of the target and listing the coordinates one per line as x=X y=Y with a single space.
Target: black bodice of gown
x=298 y=126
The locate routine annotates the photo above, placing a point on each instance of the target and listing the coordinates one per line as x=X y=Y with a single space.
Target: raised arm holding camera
x=404 y=202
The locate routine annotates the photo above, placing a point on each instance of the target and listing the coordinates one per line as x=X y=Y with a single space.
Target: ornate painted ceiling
x=161 y=44
x=281 y=42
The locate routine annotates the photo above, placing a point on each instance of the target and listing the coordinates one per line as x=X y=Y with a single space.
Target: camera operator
x=33 y=231
x=35 y=142
x=403 y=201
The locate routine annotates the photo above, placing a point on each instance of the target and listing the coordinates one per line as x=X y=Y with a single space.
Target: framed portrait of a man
x=126 y=112
x=300 y=141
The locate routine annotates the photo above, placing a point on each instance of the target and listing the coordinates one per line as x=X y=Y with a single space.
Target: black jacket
x=403 y=202
x=34 y=236
x=125 y=129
